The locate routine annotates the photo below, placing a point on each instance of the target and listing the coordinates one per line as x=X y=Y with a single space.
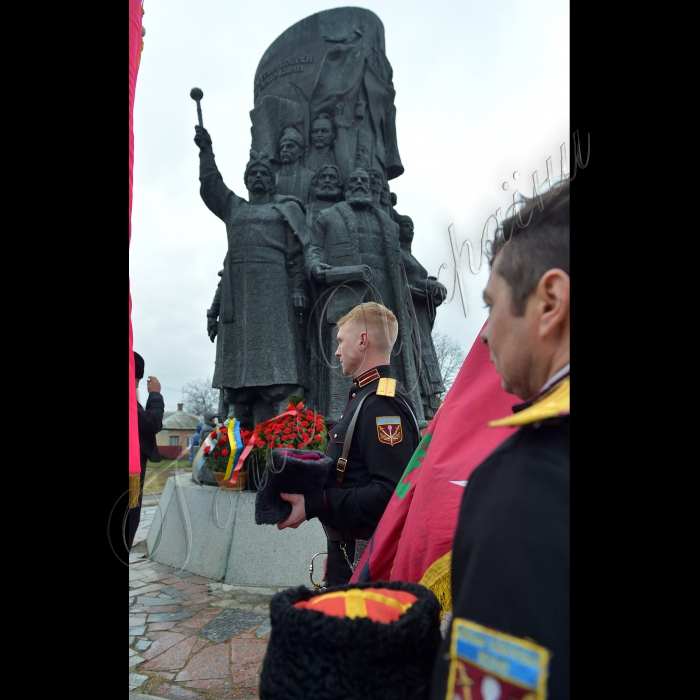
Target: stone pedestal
x=211 y=532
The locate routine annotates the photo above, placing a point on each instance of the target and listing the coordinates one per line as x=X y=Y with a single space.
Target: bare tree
x=200 y=397
x=450 y=357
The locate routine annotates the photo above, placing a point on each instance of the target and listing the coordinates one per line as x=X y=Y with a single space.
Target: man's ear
x=553 y=301
x=363 y=339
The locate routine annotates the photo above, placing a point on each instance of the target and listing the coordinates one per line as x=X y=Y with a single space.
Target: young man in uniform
x=370 y=445
x=509 y=635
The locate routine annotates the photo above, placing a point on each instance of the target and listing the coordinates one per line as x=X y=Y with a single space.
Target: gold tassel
x=134 y=489
x=438 y=578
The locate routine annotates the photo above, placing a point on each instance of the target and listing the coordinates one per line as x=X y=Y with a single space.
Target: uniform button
x=335 y=435
x=341 y=415
x=353 y=394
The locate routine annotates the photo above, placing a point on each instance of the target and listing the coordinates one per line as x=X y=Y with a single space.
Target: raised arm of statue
x=218 y=198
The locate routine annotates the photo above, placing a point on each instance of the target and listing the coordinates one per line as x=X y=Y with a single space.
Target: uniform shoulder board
x=386 y=387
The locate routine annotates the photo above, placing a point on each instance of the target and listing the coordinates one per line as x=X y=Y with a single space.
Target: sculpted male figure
x=427 y=294
x=329 y=141
x=326 y=190
x=293 y=178
x=355 y=255
x=263 y=362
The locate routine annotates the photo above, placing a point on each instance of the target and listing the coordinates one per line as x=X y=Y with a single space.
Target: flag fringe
x=134 y=489
x=438 y=579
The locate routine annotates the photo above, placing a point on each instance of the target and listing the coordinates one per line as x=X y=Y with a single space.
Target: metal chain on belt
x=342 y=546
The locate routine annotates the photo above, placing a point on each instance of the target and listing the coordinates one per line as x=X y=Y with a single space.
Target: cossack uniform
x=509 y=634
x=370 y=446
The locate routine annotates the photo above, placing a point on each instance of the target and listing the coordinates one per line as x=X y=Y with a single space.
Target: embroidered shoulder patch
x=487 y=664
x=389 y=430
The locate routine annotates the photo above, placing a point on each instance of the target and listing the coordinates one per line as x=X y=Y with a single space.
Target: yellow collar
x=552 y=404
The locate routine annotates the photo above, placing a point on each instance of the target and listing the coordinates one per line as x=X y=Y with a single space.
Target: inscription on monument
x=289 y=65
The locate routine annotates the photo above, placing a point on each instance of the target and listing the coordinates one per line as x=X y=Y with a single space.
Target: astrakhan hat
x=371 y=641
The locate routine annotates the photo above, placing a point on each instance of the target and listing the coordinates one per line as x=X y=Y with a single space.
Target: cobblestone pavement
x=189 y=636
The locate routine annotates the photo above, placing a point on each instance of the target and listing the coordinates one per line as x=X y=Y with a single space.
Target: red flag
x=413 y=541
x=135 y=17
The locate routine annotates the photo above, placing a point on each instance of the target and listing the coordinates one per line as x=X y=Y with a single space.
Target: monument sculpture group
x=318 y=233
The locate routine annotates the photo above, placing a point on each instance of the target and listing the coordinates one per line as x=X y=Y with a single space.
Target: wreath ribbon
x=251 y=441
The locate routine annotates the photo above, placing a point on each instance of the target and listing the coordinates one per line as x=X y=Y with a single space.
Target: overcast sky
x=482 y=92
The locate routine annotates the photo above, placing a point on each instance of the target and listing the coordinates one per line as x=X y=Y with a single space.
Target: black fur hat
x=315 y=656
x=139 y=366
x=288 y=471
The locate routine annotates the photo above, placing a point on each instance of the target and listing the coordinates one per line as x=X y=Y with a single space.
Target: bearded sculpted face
x=327 y=184
x=357 y=188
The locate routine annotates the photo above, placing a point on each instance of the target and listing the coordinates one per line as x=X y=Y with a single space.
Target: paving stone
x=135 y=680
x=163 y=641
x=200 y=619
x=226 y=587
x=143 y=644
x=212 y=662
x=137 y=631
x=164 y=596
x=215 y=586
x=229 y=604
x=131 y=639
x=174 y=658
x=135 y=660
x=150 y=588
x=174 y=692
x=138 y=620
x=169 y=616
x=162 y=576
x=145 y=600
x=199 y=579
x=252 y=598
x=131 y=652
x=211 y=684
x=196 y=608
x=169 y=590
x=158 y=626
x=228 y=623
x=158 y=609
x=257 y=590
x=188 y=589
x=182 y=574
x=263 y=629
x=246 y=657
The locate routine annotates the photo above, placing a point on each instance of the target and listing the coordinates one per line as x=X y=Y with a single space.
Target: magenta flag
x=135 y=22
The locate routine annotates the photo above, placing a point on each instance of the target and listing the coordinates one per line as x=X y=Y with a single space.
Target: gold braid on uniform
x=438 y=579
x=134 y=489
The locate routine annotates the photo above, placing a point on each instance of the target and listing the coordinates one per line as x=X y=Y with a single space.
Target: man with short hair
x=370 y=445
x=510 y=558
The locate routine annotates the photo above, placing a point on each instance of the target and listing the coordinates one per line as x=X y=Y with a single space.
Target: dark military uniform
x=510 y=558
x=385 y=438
